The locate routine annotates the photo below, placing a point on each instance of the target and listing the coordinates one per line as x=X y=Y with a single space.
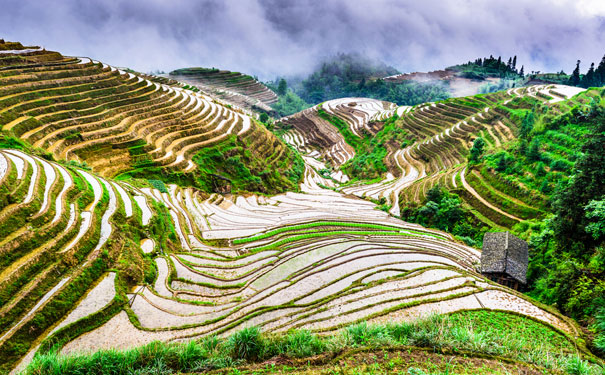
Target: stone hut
x=504 y=259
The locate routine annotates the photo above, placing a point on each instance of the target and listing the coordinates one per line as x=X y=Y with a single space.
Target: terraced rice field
x=444 y=131
x=89 y=262
x=233 y=87
x=316 y=261
x=87 y=111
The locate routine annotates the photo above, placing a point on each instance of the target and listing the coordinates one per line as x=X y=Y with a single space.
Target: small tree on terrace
x=476 y=150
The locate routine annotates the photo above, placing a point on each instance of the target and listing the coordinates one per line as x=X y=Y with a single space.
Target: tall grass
x=481 y=332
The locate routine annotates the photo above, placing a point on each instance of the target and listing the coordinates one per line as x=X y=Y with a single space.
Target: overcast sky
x=283 y=37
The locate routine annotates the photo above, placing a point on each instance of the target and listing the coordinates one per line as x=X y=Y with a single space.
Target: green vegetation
x=316 y=234
x=288 y=101
x=370 y=150
x=568 y=263
x=353 y=75
x=489 y=334
x=483 y=68
x=445 y=211
x=315 y=224
x=555 y=165
x=594 y=76
x=231 y=165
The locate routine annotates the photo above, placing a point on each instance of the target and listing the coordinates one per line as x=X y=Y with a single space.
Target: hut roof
x=505 y=253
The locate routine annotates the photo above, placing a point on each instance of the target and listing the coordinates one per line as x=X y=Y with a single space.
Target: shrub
x=576 y=366
x=560 y=165
x=157 y=184
x=246 y=344
x=303 y=344
x=362 y=334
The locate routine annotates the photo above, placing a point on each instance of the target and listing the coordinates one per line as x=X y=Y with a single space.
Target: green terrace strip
x=314 y=225
x=483 y=334
x=313 y=234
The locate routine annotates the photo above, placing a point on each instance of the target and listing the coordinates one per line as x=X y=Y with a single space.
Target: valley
x=156 y=213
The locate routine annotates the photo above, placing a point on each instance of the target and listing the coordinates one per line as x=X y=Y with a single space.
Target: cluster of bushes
x=443 y=210
x=482 y=332
x=288 y=101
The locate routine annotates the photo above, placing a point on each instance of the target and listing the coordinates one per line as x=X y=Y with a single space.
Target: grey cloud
x=273 y=37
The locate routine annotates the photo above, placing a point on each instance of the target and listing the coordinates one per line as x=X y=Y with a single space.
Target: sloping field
x=444 y=133
x=317 y=260
x=90 y=262
x=116 y=122
x=309 y=131
x=237 y=88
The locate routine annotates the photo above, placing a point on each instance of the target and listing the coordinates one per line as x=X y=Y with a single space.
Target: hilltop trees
x=482 y=68
x=594 y=77
x=575 y=75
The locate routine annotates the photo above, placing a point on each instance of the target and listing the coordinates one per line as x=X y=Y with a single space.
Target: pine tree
x=588 y=79
x=515 y=63
x=509 y=65
x=282 y=87
x=574 y=80
x=521 y=72
x=600 y=73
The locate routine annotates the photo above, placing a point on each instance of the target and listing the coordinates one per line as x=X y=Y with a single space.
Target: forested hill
x=352 y=75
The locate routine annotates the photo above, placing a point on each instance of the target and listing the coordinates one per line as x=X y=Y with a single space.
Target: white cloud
x=270 y=37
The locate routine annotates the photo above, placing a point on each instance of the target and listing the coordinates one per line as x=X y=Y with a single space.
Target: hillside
x=499 y=161
x=119 y=124
x=354 y=75
x=116 y=257
x=234 y=87
x=134 y=212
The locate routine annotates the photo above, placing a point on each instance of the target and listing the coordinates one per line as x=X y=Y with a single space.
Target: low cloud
x=278 y=37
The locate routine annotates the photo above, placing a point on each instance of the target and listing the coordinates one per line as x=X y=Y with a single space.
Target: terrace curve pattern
x=233 y=87
x=89 y=262
x=444 y=133
x=296 y=260
x=116 y=121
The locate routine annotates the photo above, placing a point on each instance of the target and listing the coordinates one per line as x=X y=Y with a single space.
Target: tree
x=534 y=150
x=586 y=184
x=600 y=73
x=264 y=117
x=515 y=63
x=282 y=87
x=477 y=150
x=588 y=79
x=574 y=80
x=521 y=72
x=595 y=212
x=527 y=125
